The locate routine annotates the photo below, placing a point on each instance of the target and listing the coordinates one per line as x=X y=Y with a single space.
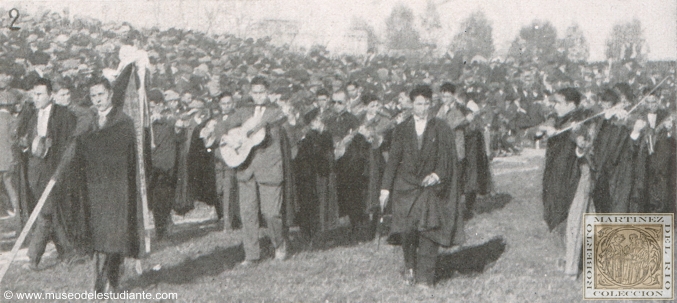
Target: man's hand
x=637 y=129
x=549 y=130
x=621 y=114
x=430 y=180
x=639 y=125
x=339 y=151
x=364 y=131
x=383 y=198
x=582 y=143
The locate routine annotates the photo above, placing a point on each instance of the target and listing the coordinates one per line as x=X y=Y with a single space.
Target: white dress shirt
x=651 y=118
x=258 y=111
x=420 y=124
x=102 y=116
x=43 y=120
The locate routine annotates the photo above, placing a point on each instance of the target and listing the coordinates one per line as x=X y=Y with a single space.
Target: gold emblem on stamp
x=628 y=256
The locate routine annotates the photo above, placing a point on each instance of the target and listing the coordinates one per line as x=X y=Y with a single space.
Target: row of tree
x=535 y=43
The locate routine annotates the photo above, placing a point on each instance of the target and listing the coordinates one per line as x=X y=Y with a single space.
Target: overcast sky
x=326 y=19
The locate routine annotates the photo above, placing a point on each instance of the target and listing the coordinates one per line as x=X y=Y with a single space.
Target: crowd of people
x=345 y=136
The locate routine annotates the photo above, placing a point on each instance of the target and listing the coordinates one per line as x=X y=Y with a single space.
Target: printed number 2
x=14 y=13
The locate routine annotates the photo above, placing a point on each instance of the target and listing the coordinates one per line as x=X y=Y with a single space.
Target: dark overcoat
x=430 y=210
x=201 y=169
x=562 y=171
x=108 y=159
x=613 y=158
x=315 y=180
x=476 y=175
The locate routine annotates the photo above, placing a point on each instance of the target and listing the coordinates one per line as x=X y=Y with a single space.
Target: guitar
x=237 y=144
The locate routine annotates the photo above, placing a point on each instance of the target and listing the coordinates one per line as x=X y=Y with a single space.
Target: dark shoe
x=409 y=278
x=101 y=284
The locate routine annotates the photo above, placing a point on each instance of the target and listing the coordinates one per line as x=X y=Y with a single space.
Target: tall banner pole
x=140 y=151
x=136 y=106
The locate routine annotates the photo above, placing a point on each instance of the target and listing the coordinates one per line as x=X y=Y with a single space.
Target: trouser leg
x=113 y=268
x=271 y=208
x=162 y=195
x=249 y=212
x=470 y=199
x=225 y=186
x=234 y=206
x=62 y=241
x=11 y=192
x=426 y=260
x=409 y=246
x=41 y=235
x=108 y=270
x=99 y=269
x=320 y=185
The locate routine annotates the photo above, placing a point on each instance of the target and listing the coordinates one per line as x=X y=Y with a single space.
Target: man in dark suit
x=418 y=173
x=163 y=159
x=226 y=182
x=44 y=139
x=263 y=177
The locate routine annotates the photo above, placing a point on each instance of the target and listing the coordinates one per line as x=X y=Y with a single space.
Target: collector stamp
x=628 y=256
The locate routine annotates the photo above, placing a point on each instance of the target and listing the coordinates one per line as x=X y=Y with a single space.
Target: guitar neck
x=263 y=124
x=256 y=128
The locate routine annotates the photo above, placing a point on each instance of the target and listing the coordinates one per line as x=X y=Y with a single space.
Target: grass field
x=509 y=256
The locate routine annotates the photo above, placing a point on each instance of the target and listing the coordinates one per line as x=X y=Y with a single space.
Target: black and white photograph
x=337 y=151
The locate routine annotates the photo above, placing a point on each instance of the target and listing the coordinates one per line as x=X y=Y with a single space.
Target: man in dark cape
x=184 y=199
x=351 y=164
x=562 y=172
x=661 y=171
x=654 y=162
x=107 y=156
x=201 y=169
x=476 y=175
x=315 y=176
x=418 y=173
x=613 y=157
